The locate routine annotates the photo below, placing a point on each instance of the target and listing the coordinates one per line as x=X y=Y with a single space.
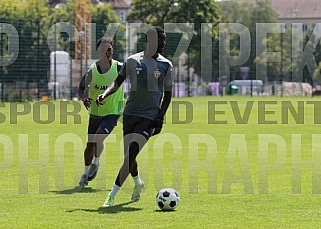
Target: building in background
x=307 y=12
x=121 y=7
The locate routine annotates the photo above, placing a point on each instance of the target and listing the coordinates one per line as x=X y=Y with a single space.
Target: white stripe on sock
x=95 y=160
x=114 y=191
x=87 y=169
x=137 y=180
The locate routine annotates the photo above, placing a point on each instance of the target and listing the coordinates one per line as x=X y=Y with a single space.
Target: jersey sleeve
x=119 y=66
x=123 y=72
x=86 y=79
x=169 y=75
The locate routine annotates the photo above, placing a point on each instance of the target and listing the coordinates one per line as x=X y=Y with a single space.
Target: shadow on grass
x=164 y=211
x=110 y=210
x=77 y=189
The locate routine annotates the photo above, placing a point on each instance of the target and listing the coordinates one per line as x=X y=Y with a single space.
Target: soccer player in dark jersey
x=150 y=76
x=102 y=119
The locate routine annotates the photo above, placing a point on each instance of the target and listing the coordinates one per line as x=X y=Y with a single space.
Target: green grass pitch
x=236 y=162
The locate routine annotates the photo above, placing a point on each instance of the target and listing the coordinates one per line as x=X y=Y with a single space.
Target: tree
x=249 y=14
x=9 y=10
x=311 y=43
x=278 y=44
x=28 y=18
x=158 y=12
x=103 y=15
x=33 y=37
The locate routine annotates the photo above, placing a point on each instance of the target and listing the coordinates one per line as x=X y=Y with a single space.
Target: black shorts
x=106 y=123
x=138 y=125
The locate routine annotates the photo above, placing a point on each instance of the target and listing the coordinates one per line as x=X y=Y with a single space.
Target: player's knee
x=133 y=150
x=90 y=145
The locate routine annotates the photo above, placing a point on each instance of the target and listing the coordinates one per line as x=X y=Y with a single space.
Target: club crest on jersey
x=157 y=74
x=138 y=70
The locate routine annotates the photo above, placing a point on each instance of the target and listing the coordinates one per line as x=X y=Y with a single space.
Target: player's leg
x=144 y=129
x=128 y=127
x=106 y=126
x=90 y=150
x=137 y=131
x=129 y=160
x=123 y=173
x=95 y=159
x=129 y=123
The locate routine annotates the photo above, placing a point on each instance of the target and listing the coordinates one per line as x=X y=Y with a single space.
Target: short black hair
x=158 y=29
x=107 y=39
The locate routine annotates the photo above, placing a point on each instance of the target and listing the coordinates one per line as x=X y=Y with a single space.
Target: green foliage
x=32 y=19
x=29 y=20
x=249 y=14
x=277 y=44
x=317 y=74
x=103 y=14
x=11 y=9
x=181 y=11
x=64 y=13
x=312 y=44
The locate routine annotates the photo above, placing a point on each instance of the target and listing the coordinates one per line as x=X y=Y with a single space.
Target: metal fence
x=31 y=75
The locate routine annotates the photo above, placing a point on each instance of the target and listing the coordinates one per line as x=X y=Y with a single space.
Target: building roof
x=118 y=4
x=298 y=9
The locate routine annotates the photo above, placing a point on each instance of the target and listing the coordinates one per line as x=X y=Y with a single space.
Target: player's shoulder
x=163 y=59
x=136 y=56
x=91 y=68
x=118 y=63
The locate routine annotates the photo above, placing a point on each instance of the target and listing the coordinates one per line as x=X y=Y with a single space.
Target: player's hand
x=87 y=102
x=100 y=99
x=158 y=125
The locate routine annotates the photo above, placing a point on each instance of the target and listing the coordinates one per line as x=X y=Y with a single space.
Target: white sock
x=86 y=169
x=137 y=180
x=114 y=191
x=95 y=160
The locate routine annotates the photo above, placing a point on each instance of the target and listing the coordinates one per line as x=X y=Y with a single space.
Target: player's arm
x=165 y=102
x=158 y=125
x=111 y=89
x=119 y=66
x=82 y=88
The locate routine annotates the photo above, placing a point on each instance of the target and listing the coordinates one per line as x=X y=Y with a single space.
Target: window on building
x=122 y=17
x=305 y=27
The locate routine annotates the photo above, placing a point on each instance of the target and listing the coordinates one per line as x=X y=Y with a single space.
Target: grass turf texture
x=52 y=200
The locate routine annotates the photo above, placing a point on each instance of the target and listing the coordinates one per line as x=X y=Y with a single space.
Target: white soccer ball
x=167 y=199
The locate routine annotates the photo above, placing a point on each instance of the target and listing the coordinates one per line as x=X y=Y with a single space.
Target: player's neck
x=104 y=65
x=151 y=54
x=155 y=56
